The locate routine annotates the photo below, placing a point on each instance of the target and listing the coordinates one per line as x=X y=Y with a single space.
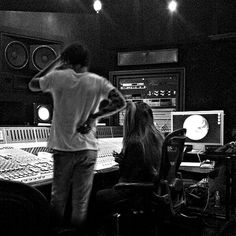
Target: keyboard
x=207 y=165
x=190 y=164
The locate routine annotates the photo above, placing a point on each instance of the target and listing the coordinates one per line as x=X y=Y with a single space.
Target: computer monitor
x=204 y=128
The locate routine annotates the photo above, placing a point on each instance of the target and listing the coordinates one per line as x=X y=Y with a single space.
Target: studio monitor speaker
x=26 y=55
x=42 y=113
x=16 y=55
x=42 y=55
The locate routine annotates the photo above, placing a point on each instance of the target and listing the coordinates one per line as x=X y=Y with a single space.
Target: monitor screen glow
x=204 y=128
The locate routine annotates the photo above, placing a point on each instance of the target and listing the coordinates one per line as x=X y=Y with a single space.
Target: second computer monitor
x=204 y=128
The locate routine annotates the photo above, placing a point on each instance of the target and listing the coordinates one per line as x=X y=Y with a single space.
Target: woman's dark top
x=134 y=167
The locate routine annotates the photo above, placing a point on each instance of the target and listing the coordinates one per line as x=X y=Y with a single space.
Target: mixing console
x=105 y=158
x=19 y=165
x=32 y=163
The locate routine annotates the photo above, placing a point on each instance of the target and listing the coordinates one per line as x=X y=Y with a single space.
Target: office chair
x=161 y=200
x=23 y=210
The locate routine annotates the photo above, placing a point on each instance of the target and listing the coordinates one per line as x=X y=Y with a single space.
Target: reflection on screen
x=197 y=127
x=203 y=127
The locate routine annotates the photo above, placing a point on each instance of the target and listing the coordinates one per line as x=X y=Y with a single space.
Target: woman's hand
x=118 y=156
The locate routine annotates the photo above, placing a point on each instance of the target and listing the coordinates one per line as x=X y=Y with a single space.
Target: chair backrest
x=172 y=154
x=23 y=210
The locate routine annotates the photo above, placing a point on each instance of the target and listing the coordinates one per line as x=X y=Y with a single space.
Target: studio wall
x=203 y=31
x=23 y=34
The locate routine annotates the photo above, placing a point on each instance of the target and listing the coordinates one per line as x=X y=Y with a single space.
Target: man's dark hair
x=75 y=54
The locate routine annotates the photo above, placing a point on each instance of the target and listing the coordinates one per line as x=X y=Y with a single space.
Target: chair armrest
x=163 y=193
x=179 y=175
x=177 y=184
x=136 y=186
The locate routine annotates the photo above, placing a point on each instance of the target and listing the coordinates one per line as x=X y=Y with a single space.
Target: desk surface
x=211 y=155
x=194 y=162
x=196 y=169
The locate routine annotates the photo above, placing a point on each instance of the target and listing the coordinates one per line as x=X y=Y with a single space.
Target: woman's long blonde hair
x=139 y=128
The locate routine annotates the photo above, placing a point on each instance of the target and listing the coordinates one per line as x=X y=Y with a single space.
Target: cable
x=198 y=156
x=208 y=198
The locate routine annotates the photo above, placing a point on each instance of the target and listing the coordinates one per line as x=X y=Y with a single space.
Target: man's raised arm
x=34 y=83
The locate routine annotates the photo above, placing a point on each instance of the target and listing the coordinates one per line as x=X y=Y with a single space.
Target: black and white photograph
x=118 y=118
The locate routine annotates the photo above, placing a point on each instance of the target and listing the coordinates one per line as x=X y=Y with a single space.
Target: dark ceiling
x=67 y=6
x=220 y=13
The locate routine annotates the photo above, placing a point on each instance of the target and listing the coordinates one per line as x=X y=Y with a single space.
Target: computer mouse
x=207 y=161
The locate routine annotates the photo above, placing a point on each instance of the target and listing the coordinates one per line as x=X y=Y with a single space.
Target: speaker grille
x=16 y=55
x=42 y=113
x=42 y=56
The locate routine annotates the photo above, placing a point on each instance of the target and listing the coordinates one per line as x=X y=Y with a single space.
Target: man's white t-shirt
x=75 y=97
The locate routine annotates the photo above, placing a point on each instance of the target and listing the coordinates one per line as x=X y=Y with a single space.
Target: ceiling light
x=97 y=5
x=172 y=6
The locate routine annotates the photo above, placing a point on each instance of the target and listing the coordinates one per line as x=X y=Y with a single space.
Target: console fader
x=24 y=155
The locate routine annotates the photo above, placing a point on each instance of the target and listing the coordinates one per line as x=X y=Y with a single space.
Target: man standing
x=79 y=98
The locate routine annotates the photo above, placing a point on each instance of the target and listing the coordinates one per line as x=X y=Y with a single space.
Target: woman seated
x=139 y=160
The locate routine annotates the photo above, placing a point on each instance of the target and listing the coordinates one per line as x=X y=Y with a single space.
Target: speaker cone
x=42 y=56
x=16 y=55
x=42 y=113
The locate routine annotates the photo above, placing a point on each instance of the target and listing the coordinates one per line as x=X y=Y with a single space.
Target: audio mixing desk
x=24 y=155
